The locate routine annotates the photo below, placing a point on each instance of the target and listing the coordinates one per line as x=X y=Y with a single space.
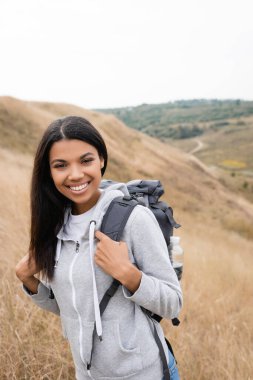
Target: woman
x=78 y=261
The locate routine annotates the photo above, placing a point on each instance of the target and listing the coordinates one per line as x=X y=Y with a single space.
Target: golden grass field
x=215 y=338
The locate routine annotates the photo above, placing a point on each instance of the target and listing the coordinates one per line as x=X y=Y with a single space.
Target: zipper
x=75 y=305
x=77 y=246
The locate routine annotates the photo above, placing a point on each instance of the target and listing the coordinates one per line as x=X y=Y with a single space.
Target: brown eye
x=59 y=166
x=87 y=160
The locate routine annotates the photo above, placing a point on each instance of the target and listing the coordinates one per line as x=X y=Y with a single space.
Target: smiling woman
x=78 y=262
x=76 y=171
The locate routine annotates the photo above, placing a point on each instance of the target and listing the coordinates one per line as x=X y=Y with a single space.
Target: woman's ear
x=102 y=162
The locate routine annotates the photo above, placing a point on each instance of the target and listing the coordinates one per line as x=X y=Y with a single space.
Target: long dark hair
x=47 y=203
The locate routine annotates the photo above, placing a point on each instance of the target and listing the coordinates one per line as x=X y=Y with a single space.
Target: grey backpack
x=146 y=193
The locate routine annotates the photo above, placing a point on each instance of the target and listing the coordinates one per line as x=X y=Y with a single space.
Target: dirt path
x=200 y=145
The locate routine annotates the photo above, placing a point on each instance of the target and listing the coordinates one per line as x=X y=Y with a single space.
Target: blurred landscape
x=206 y=168
x=218 y=132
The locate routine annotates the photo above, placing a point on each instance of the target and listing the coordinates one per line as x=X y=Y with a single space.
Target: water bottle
x=177 y=255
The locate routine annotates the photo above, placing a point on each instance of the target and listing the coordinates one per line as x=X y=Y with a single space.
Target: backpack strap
x=117 y=215
x=113 y=225
x=166 y=371
x=108 y=295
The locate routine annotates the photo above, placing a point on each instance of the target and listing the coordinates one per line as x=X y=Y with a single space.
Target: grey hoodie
x=128 y=349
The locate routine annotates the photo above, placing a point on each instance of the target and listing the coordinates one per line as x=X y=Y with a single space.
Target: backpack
x=146 y=193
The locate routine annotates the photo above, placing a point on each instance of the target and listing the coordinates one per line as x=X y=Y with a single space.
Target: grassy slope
x=218 y=260
x=229 y=151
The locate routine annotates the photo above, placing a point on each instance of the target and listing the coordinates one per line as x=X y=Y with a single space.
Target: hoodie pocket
x=113 y=358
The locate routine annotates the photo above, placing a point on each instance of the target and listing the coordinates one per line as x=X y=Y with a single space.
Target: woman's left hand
x=112 y=257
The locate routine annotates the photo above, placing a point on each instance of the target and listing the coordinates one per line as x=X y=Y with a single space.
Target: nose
x=76 y=173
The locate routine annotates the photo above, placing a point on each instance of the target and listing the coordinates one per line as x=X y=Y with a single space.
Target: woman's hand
x=25 y=271
x=112 y=257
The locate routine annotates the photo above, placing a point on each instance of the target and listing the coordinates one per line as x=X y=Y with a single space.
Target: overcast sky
x=112 y=53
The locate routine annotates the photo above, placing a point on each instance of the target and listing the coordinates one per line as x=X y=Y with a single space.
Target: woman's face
x=75 y=168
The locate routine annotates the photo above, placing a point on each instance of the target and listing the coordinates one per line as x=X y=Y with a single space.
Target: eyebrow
x=81 y=157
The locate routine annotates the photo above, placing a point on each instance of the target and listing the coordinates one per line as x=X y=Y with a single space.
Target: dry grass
x=31 y=343
x=214 y=340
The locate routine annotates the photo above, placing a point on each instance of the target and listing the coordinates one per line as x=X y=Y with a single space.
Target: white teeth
x=78 y=188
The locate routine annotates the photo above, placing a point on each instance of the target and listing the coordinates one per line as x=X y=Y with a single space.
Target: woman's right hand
x=25 y=271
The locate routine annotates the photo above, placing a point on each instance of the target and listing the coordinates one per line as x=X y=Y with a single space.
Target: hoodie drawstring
x=98 y=323
x=95 y=293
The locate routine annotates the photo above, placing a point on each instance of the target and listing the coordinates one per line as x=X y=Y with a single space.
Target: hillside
x=183 y=118
x=218 y=132
x=228 y=153
x=217 y=236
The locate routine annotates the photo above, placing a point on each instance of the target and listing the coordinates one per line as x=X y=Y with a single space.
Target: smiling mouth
x=79 y=188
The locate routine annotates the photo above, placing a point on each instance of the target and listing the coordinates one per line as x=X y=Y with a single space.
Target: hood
x=109 y=191
x=108 y=194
